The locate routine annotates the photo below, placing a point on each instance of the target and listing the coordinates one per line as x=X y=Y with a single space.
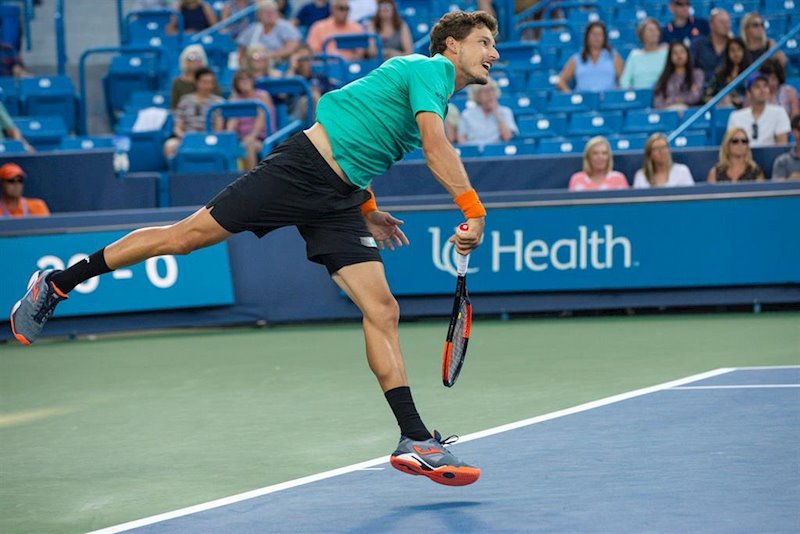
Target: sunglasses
x=14 y=181
x=740 y=140
x=755 y=131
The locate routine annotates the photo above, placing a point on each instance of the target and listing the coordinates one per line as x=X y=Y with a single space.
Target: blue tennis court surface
x=716 y=452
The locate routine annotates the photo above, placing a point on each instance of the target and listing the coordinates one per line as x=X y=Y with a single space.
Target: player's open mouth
x=486 y=66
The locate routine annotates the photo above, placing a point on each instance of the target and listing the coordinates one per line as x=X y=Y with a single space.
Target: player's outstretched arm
x=448 y=170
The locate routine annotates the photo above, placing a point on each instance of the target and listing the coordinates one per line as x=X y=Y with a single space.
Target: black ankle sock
x=92 y=266
x=411 y=425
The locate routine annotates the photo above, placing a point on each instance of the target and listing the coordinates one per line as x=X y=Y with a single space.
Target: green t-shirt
x=372 y=122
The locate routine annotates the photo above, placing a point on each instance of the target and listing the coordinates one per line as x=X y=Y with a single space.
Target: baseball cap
x=753 y=78
x=11 y=170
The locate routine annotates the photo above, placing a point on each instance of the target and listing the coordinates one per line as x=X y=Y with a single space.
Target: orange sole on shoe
x=19 y=337
x=449 y=476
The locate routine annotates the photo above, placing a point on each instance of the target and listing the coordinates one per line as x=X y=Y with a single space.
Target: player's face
x=477 y=54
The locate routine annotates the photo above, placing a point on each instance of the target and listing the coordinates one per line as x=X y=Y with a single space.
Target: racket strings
x=459 y=339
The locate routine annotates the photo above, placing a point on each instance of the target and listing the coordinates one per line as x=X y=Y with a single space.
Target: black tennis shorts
x=295 y=186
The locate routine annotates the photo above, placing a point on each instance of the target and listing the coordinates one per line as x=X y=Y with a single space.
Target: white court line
x=767 y=367
x=742 y=386
x=384 y=459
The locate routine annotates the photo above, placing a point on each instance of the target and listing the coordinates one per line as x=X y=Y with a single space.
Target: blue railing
x=710 y=105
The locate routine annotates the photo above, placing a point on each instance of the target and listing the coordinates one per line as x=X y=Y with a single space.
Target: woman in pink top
x=598 y=164
x=251 y=130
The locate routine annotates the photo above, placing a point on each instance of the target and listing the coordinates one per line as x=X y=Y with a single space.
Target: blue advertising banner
x=721 y=242
x=202 y=278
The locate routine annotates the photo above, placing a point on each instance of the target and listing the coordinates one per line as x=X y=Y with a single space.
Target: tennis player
x=319 y=181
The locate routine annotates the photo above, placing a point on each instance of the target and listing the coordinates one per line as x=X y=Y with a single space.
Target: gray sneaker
x=34 y=309
x=431 y=459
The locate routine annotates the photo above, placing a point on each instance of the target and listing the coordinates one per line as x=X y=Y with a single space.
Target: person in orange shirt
x=336 y=24
x=13 y=204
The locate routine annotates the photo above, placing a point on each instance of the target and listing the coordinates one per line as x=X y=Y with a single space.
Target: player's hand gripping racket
x=455 y=347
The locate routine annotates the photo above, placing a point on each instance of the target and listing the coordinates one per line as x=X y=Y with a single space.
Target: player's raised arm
x=448 y=170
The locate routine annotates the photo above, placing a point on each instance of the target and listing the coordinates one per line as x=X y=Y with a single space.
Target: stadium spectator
x=766 y=124
x=278 y=36
x=9 y=130
x=231 y=8
x=684 y=26
x=311 y=13
x=13 y=204
x=300 y=65
x=735 y=60
x=735 y=159
x=598 y=168
x=257 y=62
x=487 y=122
x=192 y=58
x=190 y=115
x=11 y=62
x=779 y=92
x=336 y=24
x=752 y=32
x=658 y=169
x=197 y=16
x=708 y=51
x=644 y=65
x=596 y=67
x=451 y=122
x=680 y=84
x=393 y=31
x=152 y=4
x=284 y=9
x=251 y=130
x=787 y=165
x=362 y=10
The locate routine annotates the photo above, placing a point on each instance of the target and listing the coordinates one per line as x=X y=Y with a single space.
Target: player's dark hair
x=458 y=25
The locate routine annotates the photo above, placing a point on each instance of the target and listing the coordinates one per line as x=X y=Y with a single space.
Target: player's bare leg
x=418 y=453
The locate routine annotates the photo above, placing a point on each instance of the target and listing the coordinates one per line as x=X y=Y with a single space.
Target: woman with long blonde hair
x=755 y=37
x=658 y=169
x=735 y=160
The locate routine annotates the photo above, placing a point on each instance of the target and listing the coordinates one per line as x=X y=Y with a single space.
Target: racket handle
x=462 y=262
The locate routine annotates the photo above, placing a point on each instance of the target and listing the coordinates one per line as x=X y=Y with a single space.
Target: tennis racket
x=455 y=347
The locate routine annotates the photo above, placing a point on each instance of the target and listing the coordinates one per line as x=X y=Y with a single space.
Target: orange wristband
x=370 y=205
x=470 y=205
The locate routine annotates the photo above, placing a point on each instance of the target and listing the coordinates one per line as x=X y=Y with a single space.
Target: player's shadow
x=439 y=506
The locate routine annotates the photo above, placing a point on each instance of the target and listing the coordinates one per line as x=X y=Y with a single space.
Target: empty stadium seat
x=208 y=152
x=146 y=149
x=539 y=126
x=126 y=75
x=650 y=121
x=43 y=133
x=621 y=143
x=561 y=145
x=514 y=148
x=141 y=26
x=468 y=151
x=594 y=123
x=49 y=95
x=626 y=99
x=356 y=41
x=147 y=99
x=691 y=139
x=10 y=146
x=87 y=142
x=573 y=102
x=218 y=48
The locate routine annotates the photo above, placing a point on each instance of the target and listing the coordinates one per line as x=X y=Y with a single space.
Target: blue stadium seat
x=43 y=133
x=218 y=48
x=738 y=8
x=126 y=75
x=10 y=28
x=9 y=95
x=626 y=99
x=521 y=105
x=650 y=121
x=146 y=150
x=542 y=80
x=356 y=41
x=147 y=99
x=10 y=146
x=87 y=142
x=280 y=89
x=415 y=155
x=573 y=102
x=208 y=152
x=690 y=139
x=594 y=123
x=621 y=142
x=561 y=145
x=720 y=121
x=514 y=148
x=539 y=126
x=556 y=40
x=780 y=6
x=468 y=151
x=141 y=26
x=49 y=95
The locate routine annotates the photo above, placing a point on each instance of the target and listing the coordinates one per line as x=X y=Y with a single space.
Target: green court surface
x=96 y=433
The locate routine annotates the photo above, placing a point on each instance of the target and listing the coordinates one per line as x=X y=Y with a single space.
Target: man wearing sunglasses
x=683 y=26
x=13 y=204
x=766 y=124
